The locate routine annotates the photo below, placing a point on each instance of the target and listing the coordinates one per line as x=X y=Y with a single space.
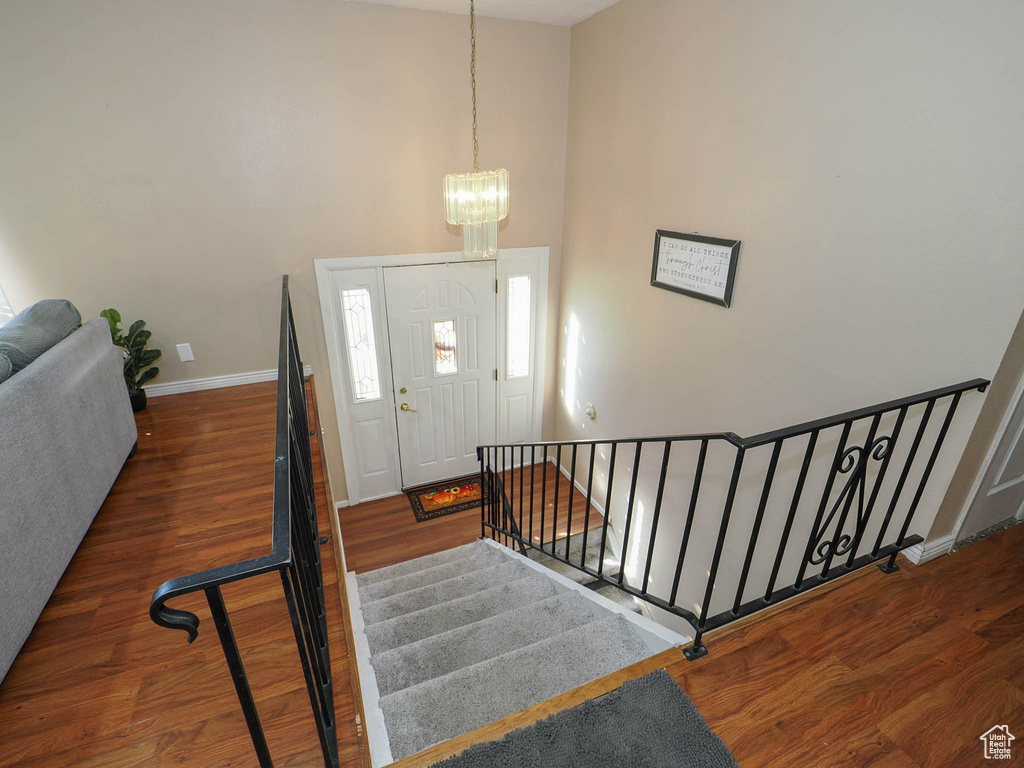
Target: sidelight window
x=362 y=349
x=519 y=332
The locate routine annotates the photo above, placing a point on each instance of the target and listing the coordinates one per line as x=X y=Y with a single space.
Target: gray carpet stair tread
x=450 y=589
x=480 y=559
x=482 y=640
x=402 y=630
x=624 y=599
x=420 y=563
x=448 y=706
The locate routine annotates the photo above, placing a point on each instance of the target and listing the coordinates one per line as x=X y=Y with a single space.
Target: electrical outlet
x=185 y=353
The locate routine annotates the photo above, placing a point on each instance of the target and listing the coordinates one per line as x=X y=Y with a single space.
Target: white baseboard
x=341 y=504
x=929 y=550
x=215 y=382
x=376 y=730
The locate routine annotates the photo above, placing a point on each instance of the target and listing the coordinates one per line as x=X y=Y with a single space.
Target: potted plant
x=137 y=359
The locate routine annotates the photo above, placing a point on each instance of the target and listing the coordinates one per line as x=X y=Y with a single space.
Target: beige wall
x=173 y=159
x=868 y=156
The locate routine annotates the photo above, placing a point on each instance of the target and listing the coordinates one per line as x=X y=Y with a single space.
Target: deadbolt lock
x=403 y=390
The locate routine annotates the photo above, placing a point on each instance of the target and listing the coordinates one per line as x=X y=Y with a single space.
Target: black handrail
x=837 y=553
x=295 y=554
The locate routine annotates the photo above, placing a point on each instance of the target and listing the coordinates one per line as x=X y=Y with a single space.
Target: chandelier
x=476 y=201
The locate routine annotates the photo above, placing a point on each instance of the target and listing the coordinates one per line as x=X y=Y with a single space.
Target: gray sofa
x=66 y=429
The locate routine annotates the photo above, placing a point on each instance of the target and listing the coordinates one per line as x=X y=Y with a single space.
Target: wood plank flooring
x=384 y=532
x=99 y=684
x=900 y=671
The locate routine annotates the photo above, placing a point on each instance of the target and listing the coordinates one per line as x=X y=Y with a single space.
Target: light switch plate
x=185 y=353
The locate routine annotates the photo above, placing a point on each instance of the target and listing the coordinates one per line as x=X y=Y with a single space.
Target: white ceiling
x=563 y=13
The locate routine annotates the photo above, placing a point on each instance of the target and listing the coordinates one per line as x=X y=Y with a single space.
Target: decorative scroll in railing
x=711 y=528
x=295 y=554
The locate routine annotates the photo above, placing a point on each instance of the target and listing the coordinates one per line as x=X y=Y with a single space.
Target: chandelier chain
x=472 y=74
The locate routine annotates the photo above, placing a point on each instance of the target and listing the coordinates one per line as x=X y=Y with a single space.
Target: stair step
x=482 y=640
x=611 y=561
x=573 y=574
x=448 y=706
x=624 y=599
x=402 y=630
x=441 y=592
x=420 y=563
x=478 y=560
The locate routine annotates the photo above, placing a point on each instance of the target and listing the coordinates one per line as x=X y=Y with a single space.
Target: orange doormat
x=444 y=498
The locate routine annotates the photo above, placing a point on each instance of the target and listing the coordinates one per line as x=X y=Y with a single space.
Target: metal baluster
x=533 y=488
x=522 y=471
x=891 y=565
x=323 y=715
x=836 y=463
x=483 y=492
x=697 y=650
x=694 y=492
x=572 y=495
x=629 y=512
x=859 y=478
x=902 y=481
x=586 y=515
x=238 y=677
x=879 y=478
x=607 y=508
x=656 y=516
x=508 y=503
x=761 y=506
x=554 y=511
x=797 y=491
x=543 y=495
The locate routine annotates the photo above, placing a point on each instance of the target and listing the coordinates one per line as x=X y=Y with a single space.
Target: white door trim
x=983 y=472
x=338 y=366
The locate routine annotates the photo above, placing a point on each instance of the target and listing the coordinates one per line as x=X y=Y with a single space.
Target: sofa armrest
x=66 y=429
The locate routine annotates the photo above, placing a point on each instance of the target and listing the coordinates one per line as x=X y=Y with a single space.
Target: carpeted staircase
x=612 y=564
x=470 y=635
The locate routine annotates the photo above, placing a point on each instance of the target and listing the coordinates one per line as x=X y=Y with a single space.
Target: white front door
x=1001 y=494
x=441 y=324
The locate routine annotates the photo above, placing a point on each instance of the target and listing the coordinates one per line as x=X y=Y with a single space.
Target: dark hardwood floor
x=99 y=684
x=900 y=671
x=384 y=532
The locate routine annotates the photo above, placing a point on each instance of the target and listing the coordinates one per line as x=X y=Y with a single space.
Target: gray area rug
x=647 y=723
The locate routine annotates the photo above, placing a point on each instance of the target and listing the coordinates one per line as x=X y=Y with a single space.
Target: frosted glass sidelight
x=444 y=347
x=519 y=331
x=362 y=351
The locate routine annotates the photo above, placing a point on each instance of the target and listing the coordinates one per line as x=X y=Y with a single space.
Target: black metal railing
x=699 y=522
x=295 y=554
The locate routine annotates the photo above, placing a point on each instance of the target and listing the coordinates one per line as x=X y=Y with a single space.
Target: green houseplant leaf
x=133 y=344
x=113 y=317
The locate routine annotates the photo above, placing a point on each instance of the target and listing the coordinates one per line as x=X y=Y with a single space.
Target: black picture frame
x=694 y=265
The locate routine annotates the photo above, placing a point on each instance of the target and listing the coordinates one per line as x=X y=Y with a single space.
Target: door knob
x=405 y=407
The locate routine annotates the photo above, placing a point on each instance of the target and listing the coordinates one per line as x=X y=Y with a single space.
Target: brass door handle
x=405 y=407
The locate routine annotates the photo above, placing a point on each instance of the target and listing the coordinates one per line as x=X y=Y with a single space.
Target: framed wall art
x=694 y=265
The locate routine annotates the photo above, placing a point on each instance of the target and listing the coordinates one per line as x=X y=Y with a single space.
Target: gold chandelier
x=476 y=201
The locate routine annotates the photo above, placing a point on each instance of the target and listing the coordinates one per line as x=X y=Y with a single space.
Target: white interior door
x=1001 y=494
x=441 y=325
